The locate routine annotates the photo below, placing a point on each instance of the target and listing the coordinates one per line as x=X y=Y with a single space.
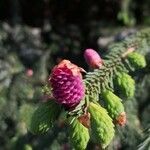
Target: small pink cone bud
x=92 y=58
x=67 y=84
x=29 y=72
x=121 y=120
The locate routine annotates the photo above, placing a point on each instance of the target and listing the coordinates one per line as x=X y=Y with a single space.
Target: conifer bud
x=126 y=84
x=114 y=107
x=137 y=60
x=79 y=135
x=92 y=58
x=102 y=127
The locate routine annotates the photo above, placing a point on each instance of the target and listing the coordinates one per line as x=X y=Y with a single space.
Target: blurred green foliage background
x=37 y=34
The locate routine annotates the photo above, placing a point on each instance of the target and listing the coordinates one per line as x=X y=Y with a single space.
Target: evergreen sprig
x=97 y=83
x=145 y=144
x=116 y=60
x=78 y=140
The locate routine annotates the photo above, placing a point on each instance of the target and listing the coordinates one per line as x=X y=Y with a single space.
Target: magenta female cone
x=67 y=84
x=92 y=58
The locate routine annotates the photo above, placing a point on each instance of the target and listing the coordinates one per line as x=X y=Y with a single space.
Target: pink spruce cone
x=92 y=58
x=67 y=84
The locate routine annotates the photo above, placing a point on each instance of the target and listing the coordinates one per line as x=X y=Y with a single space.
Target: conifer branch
x=78 y=97
x=115 y=60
